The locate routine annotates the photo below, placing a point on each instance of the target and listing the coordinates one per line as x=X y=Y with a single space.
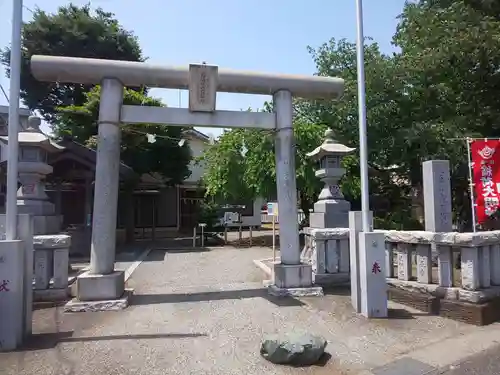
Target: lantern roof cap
x=329 y=147
x=33 y=136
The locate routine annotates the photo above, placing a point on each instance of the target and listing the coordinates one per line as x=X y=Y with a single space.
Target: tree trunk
x=306 y=204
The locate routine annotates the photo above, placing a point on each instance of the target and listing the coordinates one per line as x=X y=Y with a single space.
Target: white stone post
x=355 y=227
x=291 y=277
x=437 y=201
x=25 y=234
x=372 y=275
x=102 y=282
x=437 y=195
x=285 y=179
x=11 y=294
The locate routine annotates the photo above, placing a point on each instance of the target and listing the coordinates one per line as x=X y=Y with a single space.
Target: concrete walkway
x=206 y=313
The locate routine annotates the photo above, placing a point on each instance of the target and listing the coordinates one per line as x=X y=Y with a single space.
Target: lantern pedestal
x=330 y=214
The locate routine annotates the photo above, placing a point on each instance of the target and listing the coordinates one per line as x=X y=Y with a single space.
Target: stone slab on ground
x=76 y=306
x=206 y=312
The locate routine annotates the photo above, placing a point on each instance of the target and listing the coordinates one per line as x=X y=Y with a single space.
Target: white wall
x=197 y=148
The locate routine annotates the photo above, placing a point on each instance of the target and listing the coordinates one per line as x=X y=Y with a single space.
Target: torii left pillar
x=102 y=282
x=291 y=276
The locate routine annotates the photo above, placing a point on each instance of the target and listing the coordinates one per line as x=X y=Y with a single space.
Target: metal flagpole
x=471 y=185
x=13 y=141
x=363 y=148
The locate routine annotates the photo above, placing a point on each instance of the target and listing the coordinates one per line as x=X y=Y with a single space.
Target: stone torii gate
x=102 y=282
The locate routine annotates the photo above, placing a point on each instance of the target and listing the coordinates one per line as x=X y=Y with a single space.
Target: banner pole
x=471 y=185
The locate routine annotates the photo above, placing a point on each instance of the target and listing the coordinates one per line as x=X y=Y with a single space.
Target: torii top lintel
x=93 y=71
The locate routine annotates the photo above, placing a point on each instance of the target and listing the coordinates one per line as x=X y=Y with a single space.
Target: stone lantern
x=331 y=210
x=34 y=148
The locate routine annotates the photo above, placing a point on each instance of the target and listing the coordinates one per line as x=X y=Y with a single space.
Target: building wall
x=198 y=147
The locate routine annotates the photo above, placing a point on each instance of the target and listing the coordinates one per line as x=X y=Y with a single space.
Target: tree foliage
x=164 y=157
x=235 y=176
x=450 y=56
x=72 y=109
x=71 y=31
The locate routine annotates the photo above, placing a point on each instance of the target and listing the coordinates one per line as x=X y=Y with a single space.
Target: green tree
x=400 y=138
x=71 y=31
x=451 y=63
x=234 y=175
x=163 y=157
x=451 y=59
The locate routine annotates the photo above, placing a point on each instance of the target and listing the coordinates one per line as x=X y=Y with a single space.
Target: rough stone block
x=91 y=287
x=293 y=349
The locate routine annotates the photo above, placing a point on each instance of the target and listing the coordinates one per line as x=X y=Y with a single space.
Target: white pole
x=13 y=141
x=471 y=185
x=274 y=239
x=363 y=148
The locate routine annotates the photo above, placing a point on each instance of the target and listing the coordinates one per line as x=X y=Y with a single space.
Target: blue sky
x=260 y=35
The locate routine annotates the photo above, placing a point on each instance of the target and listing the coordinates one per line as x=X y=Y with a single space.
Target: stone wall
x=409 y=265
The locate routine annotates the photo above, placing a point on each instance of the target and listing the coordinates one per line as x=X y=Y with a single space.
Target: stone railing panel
x=51 y=263
x=327 y=250
x=445 y=266
x=454 y=239
x=404 y=261
x=411 y=257
x=424 y=263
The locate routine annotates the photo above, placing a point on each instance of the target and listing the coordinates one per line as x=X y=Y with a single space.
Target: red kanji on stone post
x=376 y=268
x=4 y=286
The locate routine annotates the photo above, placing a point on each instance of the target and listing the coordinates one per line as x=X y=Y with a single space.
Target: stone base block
x=51 y=295
x=331 y=278
x=314 y=291
x=330 y=214
x=476 y=314
x=472 y=313
x=293 y=276
x=92 y=287
x=121 y=303
x=416 y=300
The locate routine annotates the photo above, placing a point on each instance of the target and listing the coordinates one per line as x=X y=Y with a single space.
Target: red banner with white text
x=486 y=177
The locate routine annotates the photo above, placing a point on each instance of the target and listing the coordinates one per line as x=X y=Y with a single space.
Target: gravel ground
x=205 y=312
x=485 y=363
